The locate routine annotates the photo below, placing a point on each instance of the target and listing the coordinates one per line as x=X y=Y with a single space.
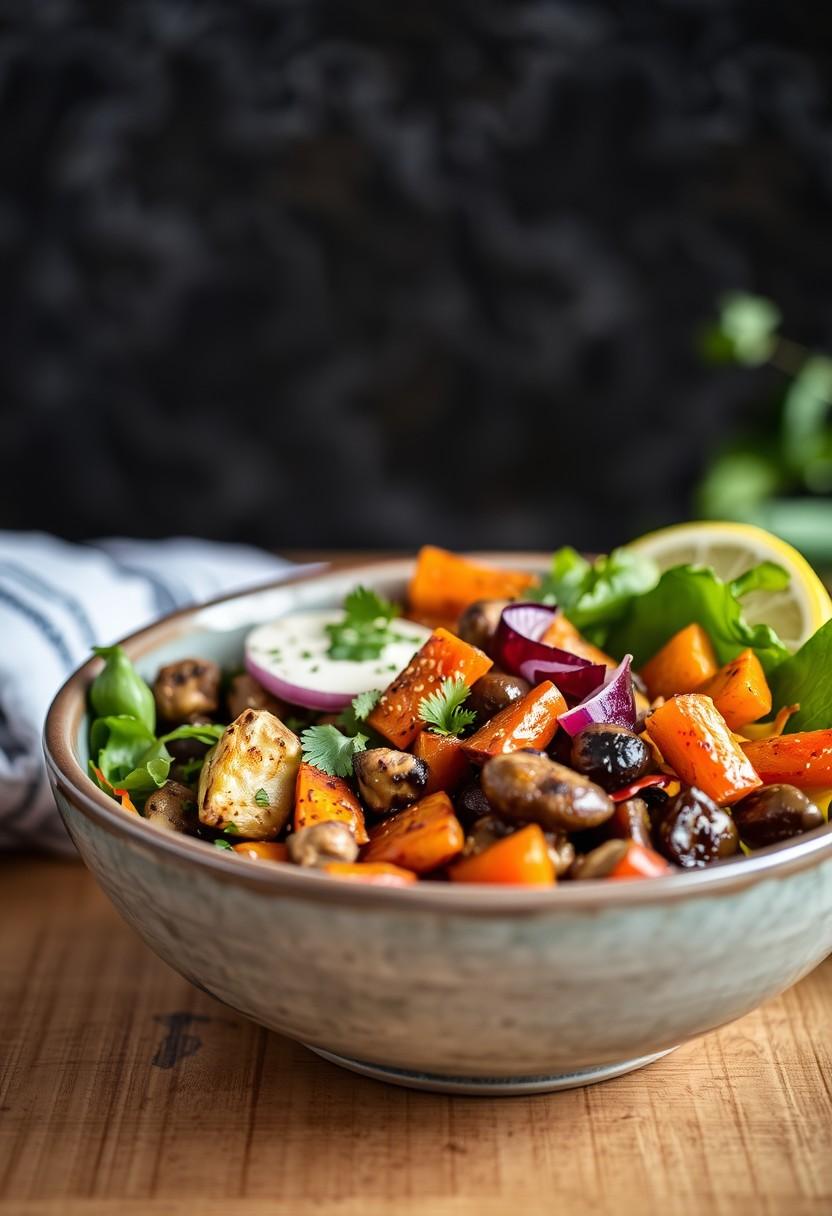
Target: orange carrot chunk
x=396 y=716
x=443 y=584
x=529 y=722
x=803 y=759
x=421 y=838
x=521 y=859
x=739 y=690
x=640 y=862
x=695 y=741
x=379 y=874
x=448 y=766
x=682 y=665
x=320 y=798
x=262 y=850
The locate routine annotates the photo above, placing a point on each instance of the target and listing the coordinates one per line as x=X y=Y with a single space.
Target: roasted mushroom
x=478 y=623
x=601 y=862
x=245 y=693
x=774 y=813
x=561 y=852
x=531 y=787
x=389 y=780
x=493 y=692
x=486 y=831
x=321 y=843
x=248 y=778
x=471 y=804
x=631 y=821
x=187 y=691
x=611 y=756
x=695 y=832
x=173 y=807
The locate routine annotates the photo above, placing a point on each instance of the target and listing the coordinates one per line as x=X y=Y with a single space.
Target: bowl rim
x=79 y=790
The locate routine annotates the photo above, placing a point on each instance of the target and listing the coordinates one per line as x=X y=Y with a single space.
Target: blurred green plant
x=779 y=475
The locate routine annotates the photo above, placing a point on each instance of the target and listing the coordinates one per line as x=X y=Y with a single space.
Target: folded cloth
x=57 y=600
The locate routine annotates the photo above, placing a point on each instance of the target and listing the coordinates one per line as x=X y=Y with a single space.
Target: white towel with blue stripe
x=57 y=600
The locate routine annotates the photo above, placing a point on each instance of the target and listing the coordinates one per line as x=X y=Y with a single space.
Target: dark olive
x=657 y=801
x=611 y=756
x=493 y=692
x=471 y=803
x=600 y=862
x=773 y=813
x=534 y=789
x=696 y=832
x=631 y=821
x=478 y=623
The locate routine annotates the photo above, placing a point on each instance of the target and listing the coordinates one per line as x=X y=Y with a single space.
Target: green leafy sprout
x=442 y=711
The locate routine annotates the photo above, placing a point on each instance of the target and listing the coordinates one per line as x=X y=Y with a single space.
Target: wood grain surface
x=123 y=1090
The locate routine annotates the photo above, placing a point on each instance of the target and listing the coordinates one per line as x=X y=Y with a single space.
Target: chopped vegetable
x=262 y=850
x=803 y=759
x=613 y=703
x=640 y=862
x=321 y=797
x=119 y=689
x=739 y=691
x=122 y=794
x=596 y=594
x=328 y=749
x=529 y=722
x=521 y=859
x=422 y=838
x=377 y=874
x=365 y=629
x=695 y=741
x=651 y=780
x=563 y=635
x=256 y=752
x=396 y=716
x=519 y=650
x=444 y=584
x=442 y=711
x=806 y=679
x=447 y=763
x=683 y=664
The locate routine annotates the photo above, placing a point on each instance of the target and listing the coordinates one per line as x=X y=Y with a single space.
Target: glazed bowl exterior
x=454 y=981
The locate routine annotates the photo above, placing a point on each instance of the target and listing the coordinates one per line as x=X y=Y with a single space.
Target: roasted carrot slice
x=529 y=722
x=423 y=837
x=379 y=873
x=448 y=766
x=521 y=859
x=563 y=634
x=319 y=797
x=739 y=690
x=682 y=665
x=803 y=759
x=443 y=584
x=640 y=862
x=262 y=850
x=396 y=716
x=695 y=741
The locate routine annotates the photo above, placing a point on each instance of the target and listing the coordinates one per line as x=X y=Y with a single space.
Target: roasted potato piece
x=187 y=691
x=248 y=779
x=245 y=693
x=173 y=807
x=389 y=780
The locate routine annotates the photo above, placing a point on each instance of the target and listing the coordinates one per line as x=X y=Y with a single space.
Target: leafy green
x=594 y=595
x=329 y=750
x=805 y=678
x=129 y=757
x=261 y=797
x=442 y=710
x=765 y=576
x=120 y=690
x=365 y=629
x=745 y=332
x=359 y=710
x=688 y=594
x=219 y=843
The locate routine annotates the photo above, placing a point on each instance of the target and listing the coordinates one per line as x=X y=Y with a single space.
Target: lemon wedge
x=731 y=549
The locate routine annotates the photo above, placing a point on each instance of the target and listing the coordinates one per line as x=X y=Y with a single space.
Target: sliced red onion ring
x=519 y=650
x=613 y=703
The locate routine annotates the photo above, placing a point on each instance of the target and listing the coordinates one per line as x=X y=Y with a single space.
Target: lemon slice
x=731 y=549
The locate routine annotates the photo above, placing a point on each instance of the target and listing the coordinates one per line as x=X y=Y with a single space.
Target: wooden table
x=123 y=1090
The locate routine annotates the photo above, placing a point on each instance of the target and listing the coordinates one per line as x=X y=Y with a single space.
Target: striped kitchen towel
x=57 y=600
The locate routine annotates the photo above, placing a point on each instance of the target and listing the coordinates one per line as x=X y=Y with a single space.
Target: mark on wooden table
x=177 y=1044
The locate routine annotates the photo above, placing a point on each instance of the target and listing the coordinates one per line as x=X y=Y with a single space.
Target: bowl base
x=489 y=1086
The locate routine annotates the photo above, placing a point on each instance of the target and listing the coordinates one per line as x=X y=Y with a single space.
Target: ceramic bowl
x=468 y=989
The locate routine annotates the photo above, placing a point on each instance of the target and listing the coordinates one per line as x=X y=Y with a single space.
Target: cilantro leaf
x=365 y=629
x=219 y=843
x=360 y=709
x=442 y=709
x=328 y=749
x=261 y=797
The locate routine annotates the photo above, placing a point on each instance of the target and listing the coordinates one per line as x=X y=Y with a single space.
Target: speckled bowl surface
x=464 y=988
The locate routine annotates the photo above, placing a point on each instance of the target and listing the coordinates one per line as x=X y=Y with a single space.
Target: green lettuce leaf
x=593 y=595
x=693 y=594
x=806 y=678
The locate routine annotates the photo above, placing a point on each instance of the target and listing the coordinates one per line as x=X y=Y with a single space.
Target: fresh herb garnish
x=261 y=797
x=328 y=749
x=442 y=710
x=595 y=594
x=231 y=829
x=360 y=709
x=365 y=630
x=222 y=844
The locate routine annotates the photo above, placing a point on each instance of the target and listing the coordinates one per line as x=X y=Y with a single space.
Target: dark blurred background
x=367 y=274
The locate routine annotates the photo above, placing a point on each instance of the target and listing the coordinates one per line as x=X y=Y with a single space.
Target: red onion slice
x=613 y=703
x=519 y=650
